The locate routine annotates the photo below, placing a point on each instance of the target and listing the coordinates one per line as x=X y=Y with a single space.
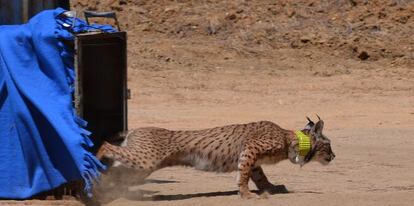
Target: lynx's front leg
x=260 y=180
x=247 y=160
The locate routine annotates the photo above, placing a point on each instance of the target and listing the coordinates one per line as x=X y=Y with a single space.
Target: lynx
x=239 y=147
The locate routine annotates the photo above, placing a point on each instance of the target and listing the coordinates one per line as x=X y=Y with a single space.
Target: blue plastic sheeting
x=42 y=141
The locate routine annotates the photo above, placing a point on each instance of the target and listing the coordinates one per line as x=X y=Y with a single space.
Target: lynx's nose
x=332 y=156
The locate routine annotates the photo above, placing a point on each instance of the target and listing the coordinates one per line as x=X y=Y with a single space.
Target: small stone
x=305 y=39
x=290 y=13
x=231 y=16
x=363 y=55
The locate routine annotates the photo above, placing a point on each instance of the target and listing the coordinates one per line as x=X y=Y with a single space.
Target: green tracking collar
x=304 y=143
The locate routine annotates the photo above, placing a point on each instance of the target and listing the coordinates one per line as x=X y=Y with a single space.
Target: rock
x=214 y=26
x=305 y=39
x=231 y=16
x=294 y=45
x=140 y=10
x=171 y=9
x=363 y=55
x=353 y=2
x=290 y=13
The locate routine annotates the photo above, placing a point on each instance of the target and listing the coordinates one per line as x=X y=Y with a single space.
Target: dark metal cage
x=101 y=83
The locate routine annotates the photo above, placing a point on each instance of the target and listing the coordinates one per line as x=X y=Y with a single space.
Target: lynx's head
x=321 y=150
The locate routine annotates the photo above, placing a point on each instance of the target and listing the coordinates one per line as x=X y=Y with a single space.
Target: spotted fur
x=239 y=147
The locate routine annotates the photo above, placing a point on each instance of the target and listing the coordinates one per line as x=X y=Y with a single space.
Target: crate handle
x=109 y=14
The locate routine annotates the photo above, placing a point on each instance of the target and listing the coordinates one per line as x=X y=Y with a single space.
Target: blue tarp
x=42 y=141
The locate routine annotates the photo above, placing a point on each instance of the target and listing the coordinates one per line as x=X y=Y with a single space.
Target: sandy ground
x=368 y=115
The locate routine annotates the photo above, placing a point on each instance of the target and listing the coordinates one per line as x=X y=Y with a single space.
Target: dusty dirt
x=199 y=64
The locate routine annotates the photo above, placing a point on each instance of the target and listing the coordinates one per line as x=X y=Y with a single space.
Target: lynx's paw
x=264 y=195
x=249 y=195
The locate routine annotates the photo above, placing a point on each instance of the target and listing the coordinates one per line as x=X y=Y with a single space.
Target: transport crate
x=101 y=92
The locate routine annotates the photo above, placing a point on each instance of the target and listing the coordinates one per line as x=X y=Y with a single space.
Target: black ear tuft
x=310 y=124
x=317 y=129
x=319 y=118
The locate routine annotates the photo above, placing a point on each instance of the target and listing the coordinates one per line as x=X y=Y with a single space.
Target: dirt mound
x=360 y=29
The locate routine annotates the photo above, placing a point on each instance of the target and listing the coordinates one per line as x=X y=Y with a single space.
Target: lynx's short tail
x=109 y=151
x=102 y=150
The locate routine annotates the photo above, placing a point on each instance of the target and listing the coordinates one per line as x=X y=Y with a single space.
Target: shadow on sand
x=147 y=195
x=277 y=189
x=153 y=181
x=111 y=194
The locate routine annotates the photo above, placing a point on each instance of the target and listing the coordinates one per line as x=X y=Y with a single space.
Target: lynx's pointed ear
x=310 y=124
x=319 y=118
x=317 y=128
